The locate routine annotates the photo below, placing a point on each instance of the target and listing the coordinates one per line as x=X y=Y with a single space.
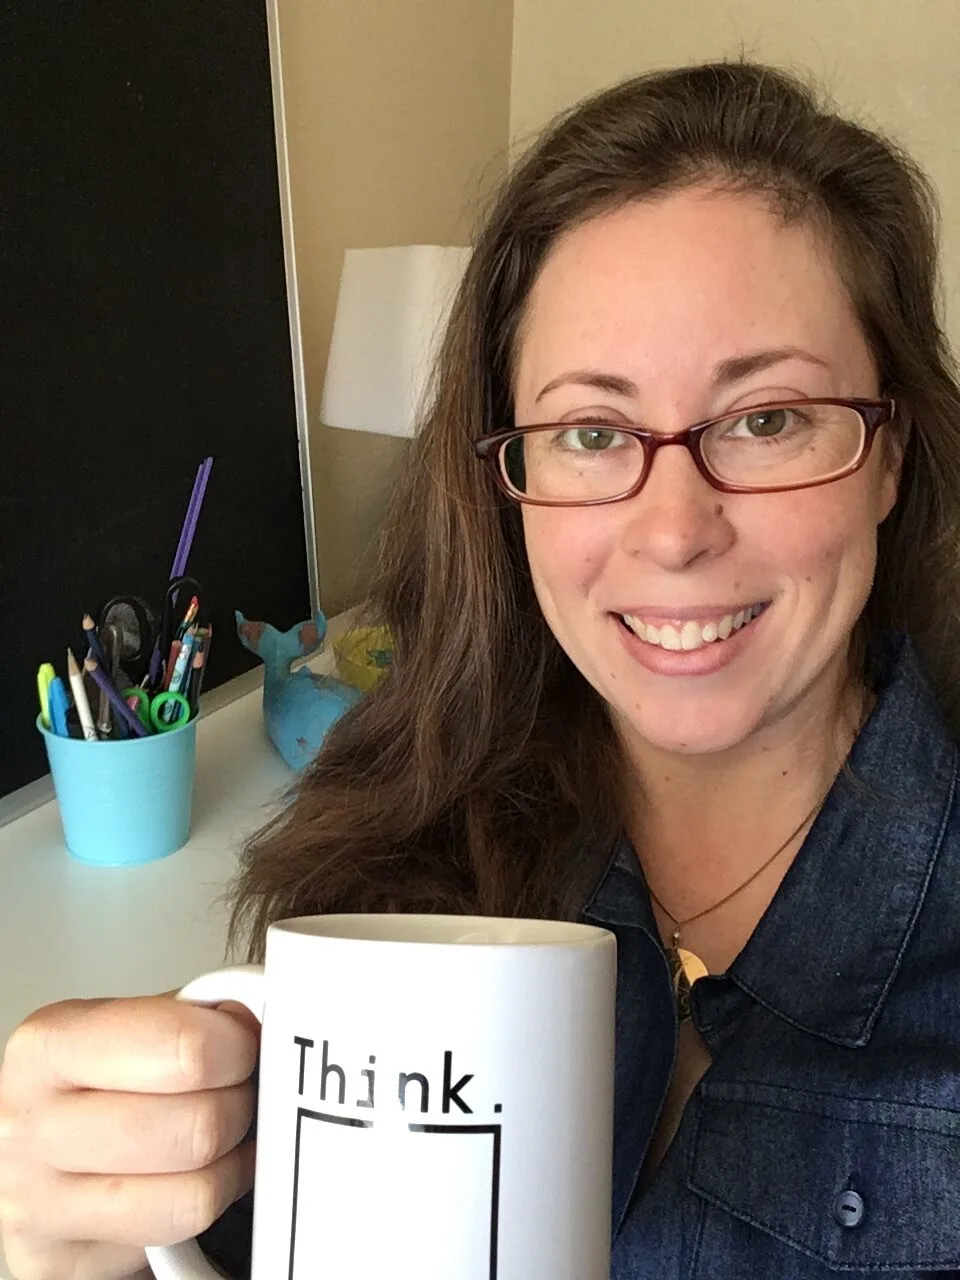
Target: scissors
x=128 y=632
x=160 y=711
x=135 y=645
x=176 y=603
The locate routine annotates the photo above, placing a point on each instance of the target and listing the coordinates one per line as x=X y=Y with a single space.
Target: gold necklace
x=685 y=966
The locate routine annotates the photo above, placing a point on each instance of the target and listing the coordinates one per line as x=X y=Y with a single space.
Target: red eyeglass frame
x=873 y=414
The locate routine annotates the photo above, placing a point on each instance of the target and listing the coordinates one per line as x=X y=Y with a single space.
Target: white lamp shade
x=392 y=309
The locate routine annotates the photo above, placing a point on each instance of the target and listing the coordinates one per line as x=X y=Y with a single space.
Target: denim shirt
x=825 y=1135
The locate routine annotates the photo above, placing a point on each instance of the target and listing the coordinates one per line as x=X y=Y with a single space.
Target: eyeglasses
x=770 y=448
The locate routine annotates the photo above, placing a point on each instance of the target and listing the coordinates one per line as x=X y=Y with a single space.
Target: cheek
x=566 y=549
x=822 y=538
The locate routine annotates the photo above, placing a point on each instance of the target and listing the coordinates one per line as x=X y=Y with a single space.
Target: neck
x=702 y=825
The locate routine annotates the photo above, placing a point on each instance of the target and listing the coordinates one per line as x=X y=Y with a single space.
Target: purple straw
x=190 y=523
x=185 y=527
x=183 y=547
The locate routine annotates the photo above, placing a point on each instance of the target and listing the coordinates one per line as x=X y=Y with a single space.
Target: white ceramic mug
x=435 y=1100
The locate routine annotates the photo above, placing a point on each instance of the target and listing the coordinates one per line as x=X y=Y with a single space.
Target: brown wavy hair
x=481 y=775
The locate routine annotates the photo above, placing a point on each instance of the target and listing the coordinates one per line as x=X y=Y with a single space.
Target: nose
x=677 y=519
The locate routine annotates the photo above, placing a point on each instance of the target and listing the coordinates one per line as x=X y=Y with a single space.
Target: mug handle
x=244 y=984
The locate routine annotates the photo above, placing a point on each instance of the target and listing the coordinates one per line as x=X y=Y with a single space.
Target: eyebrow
x=732 y=369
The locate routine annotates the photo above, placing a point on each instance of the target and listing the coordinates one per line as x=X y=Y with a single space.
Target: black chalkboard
x=145 y=324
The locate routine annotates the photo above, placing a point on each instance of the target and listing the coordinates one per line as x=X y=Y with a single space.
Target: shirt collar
x=829 y=946
x=615 y=900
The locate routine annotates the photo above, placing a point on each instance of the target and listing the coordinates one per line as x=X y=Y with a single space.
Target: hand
x=121 y=1125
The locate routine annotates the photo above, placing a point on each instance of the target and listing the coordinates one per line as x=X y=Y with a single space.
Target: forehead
x=666 y=288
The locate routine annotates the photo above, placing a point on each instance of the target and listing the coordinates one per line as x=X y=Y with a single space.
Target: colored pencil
x=93 y=640
x=196 y=682
x=193 y=676
x=111 y=638
x=172 y=658
x=189 y=617
x=80 y=699
x=183 y=659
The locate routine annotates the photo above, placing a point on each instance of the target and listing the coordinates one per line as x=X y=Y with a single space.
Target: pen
x=44 y=677
x=116 y=700
x=80 y=699
x=59 y=704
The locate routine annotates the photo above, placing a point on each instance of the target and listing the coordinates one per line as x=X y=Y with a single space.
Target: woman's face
x=658 y=298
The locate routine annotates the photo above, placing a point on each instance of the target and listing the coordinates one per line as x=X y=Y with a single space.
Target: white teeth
x=669 y=637
x=691 y=635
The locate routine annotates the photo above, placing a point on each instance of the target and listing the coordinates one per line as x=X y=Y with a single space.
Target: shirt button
x=848 y=1209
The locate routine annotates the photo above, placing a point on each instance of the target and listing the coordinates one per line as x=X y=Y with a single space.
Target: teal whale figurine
x=300 y=706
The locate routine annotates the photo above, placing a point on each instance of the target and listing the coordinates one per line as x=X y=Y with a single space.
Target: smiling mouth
x=691 y=635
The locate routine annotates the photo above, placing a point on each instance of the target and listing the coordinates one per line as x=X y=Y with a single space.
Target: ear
x=893 y=444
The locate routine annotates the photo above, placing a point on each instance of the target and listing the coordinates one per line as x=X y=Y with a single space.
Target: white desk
x=68 y=929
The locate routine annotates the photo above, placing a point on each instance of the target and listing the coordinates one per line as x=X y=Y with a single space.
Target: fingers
x=149 y=1045
x=135 y=1133
x=119 y=1127
x=30 y=1258
x=243 y=1014
x=127 y=1210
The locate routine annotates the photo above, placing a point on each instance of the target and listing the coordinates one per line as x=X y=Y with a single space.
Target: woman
x=658 y=667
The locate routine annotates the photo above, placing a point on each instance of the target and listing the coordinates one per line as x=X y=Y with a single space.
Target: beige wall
x=893 y=63
x=399 y=114
x=397 y=122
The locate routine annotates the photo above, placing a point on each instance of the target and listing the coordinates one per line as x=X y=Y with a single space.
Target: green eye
x=769 y=422
x=592 y=439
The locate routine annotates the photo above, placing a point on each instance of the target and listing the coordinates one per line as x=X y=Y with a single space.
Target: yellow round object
x=692 y=966
x=363 y=655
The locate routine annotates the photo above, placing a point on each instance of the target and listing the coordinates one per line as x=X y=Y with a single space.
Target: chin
x=688 y=735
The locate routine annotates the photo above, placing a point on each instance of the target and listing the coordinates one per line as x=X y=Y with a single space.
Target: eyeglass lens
x=760 y=447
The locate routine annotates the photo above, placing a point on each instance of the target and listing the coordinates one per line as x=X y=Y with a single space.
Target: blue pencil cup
x=124 y=802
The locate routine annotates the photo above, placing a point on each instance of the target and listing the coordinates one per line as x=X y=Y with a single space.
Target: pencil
x=188 y=617
x=112 y=640
x=80 y=699
x=93 y=640
x=193 y=676
x=106 y=684
x=206 y=636
x=175 y=648
x=182 y=665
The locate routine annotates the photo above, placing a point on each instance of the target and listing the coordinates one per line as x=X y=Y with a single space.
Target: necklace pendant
x=687 y=968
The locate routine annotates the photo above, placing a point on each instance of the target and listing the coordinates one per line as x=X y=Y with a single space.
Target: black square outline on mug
x=354 y=1123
